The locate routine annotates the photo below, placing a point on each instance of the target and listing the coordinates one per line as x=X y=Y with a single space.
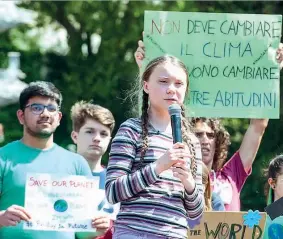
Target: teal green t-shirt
x=16 y=160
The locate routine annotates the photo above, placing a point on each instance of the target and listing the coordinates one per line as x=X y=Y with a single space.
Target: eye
x=179 y=83
x=104 y=134
x=88 y=131
x=198 y=134
x=210 y=135
x=36 y=107
x=52 y=108
x=163 y=80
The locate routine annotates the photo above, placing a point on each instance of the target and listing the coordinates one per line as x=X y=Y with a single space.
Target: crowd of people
x=157 y=183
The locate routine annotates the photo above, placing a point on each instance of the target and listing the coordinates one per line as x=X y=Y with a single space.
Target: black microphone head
x=174 y=109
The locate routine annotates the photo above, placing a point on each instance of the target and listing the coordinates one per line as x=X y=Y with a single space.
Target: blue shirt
x=216 y=202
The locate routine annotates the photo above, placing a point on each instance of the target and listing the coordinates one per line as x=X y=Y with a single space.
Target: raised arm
x=251 y=142
x=140 y=53
x=253 y=136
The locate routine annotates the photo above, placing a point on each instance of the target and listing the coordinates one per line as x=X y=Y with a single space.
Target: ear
x=74 y=136
x=21 y=116
x=59 y=117
x=271 y=183
x=145 y=86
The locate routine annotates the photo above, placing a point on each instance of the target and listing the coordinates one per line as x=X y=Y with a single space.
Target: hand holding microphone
x=181 y=170
x=178 y=153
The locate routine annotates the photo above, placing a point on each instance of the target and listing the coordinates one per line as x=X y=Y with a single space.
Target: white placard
x=62 y=202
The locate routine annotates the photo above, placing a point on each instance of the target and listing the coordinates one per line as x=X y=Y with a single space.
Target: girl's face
x=166 y=85
x=277 y=186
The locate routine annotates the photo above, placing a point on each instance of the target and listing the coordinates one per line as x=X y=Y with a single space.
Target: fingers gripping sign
x=13 y=215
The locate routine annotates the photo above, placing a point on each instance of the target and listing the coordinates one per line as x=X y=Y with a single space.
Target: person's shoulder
x=132 y=124
x=10 y=147
x=67 y=153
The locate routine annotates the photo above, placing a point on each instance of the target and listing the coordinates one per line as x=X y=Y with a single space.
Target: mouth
x=44 y=122
x=95 y=147
x=172 y=100
x=205 y=151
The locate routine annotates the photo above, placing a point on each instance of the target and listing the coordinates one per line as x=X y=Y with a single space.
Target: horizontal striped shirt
x=150 y=203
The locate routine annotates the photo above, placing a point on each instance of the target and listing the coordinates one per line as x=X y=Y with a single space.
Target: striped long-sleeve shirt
x=150 y=203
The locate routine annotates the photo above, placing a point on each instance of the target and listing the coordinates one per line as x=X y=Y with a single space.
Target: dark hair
x=222 y=140
x=186 y=128
x=275 y=169
x=40 y=88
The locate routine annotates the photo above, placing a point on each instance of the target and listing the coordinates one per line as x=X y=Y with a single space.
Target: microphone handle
x=176 y=128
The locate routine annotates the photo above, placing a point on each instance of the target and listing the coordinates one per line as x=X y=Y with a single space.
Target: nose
x=171 y=89
x=204 y=139
x=96 y=137
x=45 y=113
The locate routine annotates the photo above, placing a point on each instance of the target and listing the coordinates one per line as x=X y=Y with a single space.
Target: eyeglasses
x=38 y=109
x=209 y=135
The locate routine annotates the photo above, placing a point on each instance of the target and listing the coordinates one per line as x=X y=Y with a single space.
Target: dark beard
x=40 y=135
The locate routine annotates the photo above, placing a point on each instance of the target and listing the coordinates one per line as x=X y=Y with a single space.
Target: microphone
x=176 y=122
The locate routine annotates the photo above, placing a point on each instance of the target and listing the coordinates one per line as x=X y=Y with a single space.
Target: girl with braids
x=228 y=176
x=158 y=183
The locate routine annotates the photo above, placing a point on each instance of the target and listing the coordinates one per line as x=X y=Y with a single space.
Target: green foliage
x=107 y=76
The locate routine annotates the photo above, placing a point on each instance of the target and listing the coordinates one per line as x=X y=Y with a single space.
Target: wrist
x=190 y=187
x=158 y=168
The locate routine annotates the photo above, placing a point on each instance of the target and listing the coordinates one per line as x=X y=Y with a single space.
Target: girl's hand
x=183 y=172
x=101 y=223
x=176 y=154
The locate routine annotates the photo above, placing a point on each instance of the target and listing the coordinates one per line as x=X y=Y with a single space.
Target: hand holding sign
x=13 y=215
x=140 y=53
x=279 y=55
x=101 y=223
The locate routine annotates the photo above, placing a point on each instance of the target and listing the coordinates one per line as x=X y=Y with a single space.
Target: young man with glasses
x=40 y=115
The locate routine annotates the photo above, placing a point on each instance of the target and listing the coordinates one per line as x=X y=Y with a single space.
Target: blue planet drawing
x=60 y=205
x=275 y=231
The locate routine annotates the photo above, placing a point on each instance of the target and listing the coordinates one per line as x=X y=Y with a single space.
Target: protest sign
x=231 y=59
x=61 y=202
x=236 y=225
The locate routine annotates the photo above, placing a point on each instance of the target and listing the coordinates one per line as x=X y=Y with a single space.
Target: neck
x=40 y=143
x=276 y=197
x=94 y=163
x=159 y=120
x=209 y=166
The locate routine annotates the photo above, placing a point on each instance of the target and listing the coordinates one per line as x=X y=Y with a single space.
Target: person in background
x=92 y=129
